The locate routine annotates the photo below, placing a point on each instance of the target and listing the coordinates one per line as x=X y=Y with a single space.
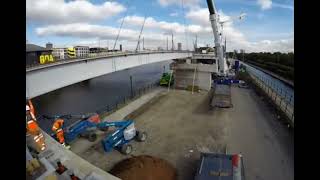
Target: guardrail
x=280 y=97
x=123 y=100
x=93 y=56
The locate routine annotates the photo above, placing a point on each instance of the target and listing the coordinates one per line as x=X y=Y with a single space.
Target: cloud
x=265 y=4
x=283 y=45
x=85 y=30
x=154 y=33
x=154 y=24
x=59 y=11
x=189 y=3
x=199 y=16
x=174 y=14
x=285 y=6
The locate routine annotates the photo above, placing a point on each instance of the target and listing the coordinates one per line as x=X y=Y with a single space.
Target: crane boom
x=217 y=39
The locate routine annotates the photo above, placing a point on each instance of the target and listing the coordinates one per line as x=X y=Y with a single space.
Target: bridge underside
x=43 y=80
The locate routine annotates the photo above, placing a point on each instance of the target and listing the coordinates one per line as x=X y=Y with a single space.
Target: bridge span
x=46 y=78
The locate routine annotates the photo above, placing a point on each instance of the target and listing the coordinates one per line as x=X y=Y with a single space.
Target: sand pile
x=144 y=168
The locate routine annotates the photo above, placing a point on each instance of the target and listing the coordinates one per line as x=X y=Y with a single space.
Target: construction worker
x=57 y=129
x=35 y=138
x=31 y=108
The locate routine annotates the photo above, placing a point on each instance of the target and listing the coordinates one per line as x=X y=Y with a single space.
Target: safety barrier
x=280 y=97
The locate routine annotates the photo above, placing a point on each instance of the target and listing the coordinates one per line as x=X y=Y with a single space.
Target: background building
x=97 y=50
x=82 y=51
x=179 y=46
x=49 y=45
x=59 y=53
x=37 y=55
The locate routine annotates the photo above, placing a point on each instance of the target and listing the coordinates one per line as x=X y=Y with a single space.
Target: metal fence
x=123 y=100
x=278 y=95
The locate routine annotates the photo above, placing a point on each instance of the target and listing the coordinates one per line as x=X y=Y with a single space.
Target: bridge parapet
x=47 y=78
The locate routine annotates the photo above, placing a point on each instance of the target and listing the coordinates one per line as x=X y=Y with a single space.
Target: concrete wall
x=42 y=80
x=200 y=67
x=184 y=78
x=82 y=168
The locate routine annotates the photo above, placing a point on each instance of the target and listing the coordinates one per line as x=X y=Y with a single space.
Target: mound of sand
x=144 y=168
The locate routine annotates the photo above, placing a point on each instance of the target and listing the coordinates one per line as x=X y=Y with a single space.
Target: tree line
x=279 y=63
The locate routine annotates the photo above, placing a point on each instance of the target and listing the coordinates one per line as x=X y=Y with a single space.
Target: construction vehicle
x=166 y=78
x=125 y=131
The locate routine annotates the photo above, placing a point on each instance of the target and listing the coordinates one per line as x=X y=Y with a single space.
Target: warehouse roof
x=33 y=48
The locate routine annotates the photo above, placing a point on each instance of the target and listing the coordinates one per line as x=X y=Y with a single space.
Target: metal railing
x=92 y=56
x=123 y=100
x=280 y=97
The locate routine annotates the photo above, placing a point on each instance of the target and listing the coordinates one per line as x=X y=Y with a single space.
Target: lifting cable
x=138 y=44
x=125 y=15
x=184 y=24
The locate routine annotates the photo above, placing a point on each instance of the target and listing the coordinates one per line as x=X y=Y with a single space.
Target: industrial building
x=37 y=55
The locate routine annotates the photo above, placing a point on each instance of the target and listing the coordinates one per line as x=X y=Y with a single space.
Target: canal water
x=94 y=94
x=280 y=87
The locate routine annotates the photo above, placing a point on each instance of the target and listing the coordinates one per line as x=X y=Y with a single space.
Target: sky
x=268 y=25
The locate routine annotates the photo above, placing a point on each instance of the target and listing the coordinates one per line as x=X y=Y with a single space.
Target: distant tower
x=179 y=46
x=49 y=45
x=120 y=47
x=167 y=44
x=172 y=47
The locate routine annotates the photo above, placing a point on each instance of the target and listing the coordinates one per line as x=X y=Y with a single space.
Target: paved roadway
x=267 y=145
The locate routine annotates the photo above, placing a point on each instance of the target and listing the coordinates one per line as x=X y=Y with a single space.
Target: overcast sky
x=268 y=25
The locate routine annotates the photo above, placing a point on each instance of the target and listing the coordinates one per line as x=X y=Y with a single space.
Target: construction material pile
x=144 y=168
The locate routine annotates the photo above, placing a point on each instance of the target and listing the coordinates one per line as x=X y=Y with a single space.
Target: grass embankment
x=281 y=70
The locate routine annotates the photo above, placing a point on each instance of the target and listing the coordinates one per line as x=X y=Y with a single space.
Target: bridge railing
x=123 y=100
x=92 y=56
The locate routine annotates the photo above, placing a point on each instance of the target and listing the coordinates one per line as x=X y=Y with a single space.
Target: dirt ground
x=180 y=126
x=144 y=168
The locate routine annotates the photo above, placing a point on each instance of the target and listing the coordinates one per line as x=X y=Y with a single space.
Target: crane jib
x=210 y=6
